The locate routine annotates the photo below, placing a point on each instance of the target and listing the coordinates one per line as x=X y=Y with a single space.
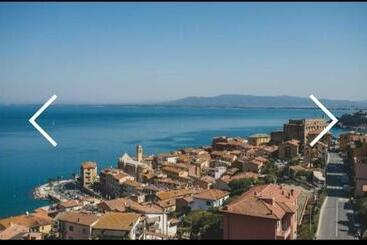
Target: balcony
x=283 y=234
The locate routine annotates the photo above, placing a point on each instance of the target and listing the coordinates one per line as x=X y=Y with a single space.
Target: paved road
x=336 y=215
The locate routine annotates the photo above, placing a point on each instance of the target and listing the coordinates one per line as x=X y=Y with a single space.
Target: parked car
x=347 y=188
x=345 y=179
x=357 y=228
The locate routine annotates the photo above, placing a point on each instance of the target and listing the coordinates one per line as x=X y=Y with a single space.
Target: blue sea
x=103 y=133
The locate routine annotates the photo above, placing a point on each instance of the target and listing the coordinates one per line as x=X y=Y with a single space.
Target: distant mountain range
x=251 y=101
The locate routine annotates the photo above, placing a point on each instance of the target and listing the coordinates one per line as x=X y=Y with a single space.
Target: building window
x=71 y=228
x=278 y=225
x=84 y=231
x=208 y=203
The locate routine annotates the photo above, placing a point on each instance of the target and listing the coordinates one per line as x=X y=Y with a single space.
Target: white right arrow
x=334 y=120
x=32 y=120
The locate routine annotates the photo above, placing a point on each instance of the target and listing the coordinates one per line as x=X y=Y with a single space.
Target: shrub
x=240 y=186
x=203 y=224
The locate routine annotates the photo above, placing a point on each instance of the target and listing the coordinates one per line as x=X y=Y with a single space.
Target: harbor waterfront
x=103 y=133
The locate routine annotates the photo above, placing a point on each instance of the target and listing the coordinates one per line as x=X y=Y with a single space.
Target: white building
x=212 y=198
x=132 y=167
x=117 y=226
x=318 y=178
x=217 y=172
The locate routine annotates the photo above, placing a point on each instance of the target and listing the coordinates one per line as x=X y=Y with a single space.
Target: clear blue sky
x=135 y=52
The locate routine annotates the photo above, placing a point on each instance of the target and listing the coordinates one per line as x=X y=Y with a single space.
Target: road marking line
x=336 y=223
x=32 y=120
x=320 y=217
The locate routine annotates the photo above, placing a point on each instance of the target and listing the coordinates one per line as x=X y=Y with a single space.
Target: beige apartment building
x=88 y=174
x=259 y=139
x=75 y=225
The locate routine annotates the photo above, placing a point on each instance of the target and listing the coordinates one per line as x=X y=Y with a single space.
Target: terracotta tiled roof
x=89 y=165
x=69 y=204
x=183 y=166
x=212 y=194
x=167 y=181
x=117 y=221
x=262 y=159
x=207 y=179
x=42 y=211
x=219 y=153
x=193 y=151
x=78 y=218
x=114 y=205
x=163 y=195
x=146 y=208
x=167 y=203
x=13 y=231
x=256 y=162
x=184 y=158
x=266 y=201
x=236 y=152
x=297 y=168
x=148 y=174
x=226 y=178
x=188 y=199
x=133 y=183
x=293 y=142
x=172 y=169
x=117 y=174
x=251 y=151
x=270 y=149
x=122 y=204
x=31 y=220
x=167 y=155
x=242 y=175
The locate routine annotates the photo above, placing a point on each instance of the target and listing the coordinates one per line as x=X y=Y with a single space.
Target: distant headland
x=252 y=101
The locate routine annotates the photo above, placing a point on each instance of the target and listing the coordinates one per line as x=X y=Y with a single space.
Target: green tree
x=306 y=174
x=364 y=236
x=271 y=168
x=271 y=178
x=361 y=207
x=239 y=186
x=203 y=224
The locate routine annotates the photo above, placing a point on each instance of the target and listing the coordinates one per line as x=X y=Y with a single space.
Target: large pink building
x=263 y=212
x=360 y=169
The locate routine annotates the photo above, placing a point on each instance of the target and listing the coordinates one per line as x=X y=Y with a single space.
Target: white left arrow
x=32 y=120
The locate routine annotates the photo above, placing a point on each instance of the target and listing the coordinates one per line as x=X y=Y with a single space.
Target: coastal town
x=265 y=186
